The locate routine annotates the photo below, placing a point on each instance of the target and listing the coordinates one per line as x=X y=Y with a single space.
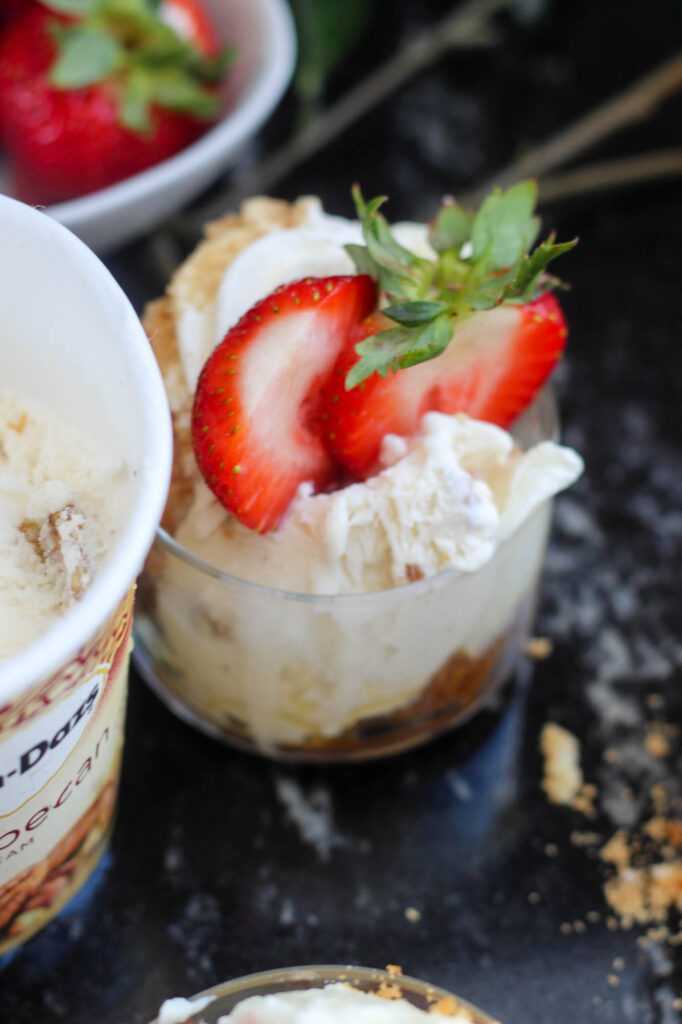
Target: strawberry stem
x=127 y=42
x=481 y=260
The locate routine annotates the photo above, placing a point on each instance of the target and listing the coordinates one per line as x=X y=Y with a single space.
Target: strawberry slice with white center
x=492 y=369
x=256 y=415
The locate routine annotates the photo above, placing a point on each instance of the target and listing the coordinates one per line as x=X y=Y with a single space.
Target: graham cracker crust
x=449 y=698
x=460 y=682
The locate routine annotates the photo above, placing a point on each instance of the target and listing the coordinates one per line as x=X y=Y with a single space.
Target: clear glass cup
x=349 y=677
x=419 y=993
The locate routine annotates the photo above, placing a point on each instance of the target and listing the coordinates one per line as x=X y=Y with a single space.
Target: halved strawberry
x=255 y=421
x=492 y=369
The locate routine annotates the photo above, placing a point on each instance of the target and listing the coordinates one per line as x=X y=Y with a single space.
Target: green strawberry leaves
x=400 y=347
x=401 y=274
x=413 y=314
x=134 y=102
x=86 y=55
x=481 y=260
x=126 y=42
x=451 y=228
x=504 y=228
x=530 y=271
x=77 y=8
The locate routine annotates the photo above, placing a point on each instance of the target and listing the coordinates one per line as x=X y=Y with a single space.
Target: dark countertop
x=222 y=863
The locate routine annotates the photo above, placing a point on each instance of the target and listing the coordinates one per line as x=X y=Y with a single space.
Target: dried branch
x=466 y=26
x=634 y=104
x=631 y=170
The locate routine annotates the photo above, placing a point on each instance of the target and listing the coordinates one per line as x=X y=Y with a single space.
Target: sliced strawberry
x=256 y=415
x=492 y=369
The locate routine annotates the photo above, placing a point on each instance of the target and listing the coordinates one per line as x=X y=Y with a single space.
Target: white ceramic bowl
x=263 y=33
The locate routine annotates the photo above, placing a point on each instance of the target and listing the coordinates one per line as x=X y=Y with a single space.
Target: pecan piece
x=60 y=540
x=19 y=890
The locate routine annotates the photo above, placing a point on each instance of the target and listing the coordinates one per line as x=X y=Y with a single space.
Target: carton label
x=29 y=759
x=60 y=751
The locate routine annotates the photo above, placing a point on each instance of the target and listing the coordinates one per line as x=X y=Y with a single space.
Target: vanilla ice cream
x=335 y=1004
x=59 y=517
x=297 y=665
x=445 y=501
x=178 y=1010
x=364 y=597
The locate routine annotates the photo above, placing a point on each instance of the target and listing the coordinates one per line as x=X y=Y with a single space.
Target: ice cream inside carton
x=62 y=338
x=84 y=423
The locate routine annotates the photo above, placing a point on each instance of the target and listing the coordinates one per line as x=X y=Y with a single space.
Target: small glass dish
x=389 y=983
x=348 y=677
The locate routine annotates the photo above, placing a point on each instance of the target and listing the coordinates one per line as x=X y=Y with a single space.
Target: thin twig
x=463 y=27
x=634 y=104
x=631 y=170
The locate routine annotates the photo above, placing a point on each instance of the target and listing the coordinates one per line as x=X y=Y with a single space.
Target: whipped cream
x=60 y=502
x=335 y=1004
x=446 y=499
x=313 y=249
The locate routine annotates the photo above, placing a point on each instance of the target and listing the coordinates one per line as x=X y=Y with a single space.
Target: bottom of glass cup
x=459 y=689
x=389 y=983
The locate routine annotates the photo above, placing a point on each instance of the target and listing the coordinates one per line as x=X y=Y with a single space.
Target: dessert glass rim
x=263 y=590
x=331 y=973
x=58 y=643
x=546 y=397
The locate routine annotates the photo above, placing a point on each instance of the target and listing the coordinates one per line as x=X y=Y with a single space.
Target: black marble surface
x=221 y=863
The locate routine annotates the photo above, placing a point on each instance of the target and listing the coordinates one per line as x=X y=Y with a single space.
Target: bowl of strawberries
x=115 y=113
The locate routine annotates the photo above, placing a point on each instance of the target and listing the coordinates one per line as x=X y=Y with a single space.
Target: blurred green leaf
x=85 y=55
x=327 y=31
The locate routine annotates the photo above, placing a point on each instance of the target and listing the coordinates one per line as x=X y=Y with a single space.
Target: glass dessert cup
x=347 y=677
x=420 y=994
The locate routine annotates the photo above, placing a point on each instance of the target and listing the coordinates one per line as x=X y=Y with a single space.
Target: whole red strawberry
x=87 y=99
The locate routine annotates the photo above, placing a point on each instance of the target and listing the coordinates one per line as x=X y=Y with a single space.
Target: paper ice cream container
x=71 y=341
